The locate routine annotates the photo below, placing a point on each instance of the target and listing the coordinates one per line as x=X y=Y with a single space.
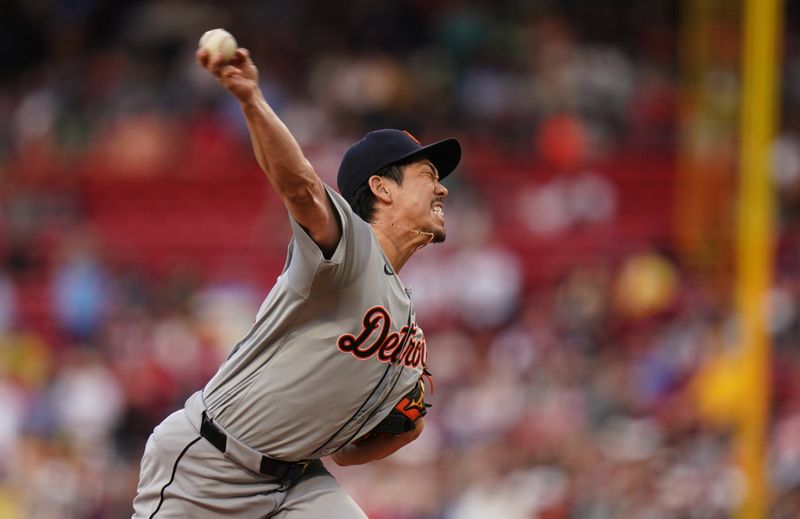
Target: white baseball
x=218 y=40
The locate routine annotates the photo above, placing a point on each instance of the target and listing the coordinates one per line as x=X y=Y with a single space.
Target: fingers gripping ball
x=218 y=40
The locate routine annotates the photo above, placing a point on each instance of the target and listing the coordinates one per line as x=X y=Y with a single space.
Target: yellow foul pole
x=755 y=241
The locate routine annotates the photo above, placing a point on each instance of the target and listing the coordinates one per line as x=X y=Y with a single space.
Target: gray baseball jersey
x=335 y=345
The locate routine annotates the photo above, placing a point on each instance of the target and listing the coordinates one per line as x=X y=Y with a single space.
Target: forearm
x=278 y=153
x=376 y=447
x=291 y=175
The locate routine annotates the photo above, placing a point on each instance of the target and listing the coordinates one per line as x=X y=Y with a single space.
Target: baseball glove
x=405 y=413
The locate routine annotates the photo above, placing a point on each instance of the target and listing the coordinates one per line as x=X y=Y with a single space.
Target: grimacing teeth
x=438 y=210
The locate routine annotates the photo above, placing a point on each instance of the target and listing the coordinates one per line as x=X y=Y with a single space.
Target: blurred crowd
x=580 y=368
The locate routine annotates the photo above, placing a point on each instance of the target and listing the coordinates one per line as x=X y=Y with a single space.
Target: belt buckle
x=294 y=472
x=298 y=469
x=303 y=466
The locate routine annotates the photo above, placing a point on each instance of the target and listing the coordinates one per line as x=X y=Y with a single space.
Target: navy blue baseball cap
x=380 y=148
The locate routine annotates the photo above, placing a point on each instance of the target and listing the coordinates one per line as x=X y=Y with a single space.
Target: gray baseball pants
x=183 y=475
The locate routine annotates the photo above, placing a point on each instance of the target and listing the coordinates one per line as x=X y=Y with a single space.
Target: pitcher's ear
x=381 y=188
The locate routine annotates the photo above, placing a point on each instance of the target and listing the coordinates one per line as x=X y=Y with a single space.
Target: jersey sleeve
x=307 y=270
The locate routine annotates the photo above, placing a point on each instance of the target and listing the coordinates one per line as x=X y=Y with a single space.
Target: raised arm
x=276 y=150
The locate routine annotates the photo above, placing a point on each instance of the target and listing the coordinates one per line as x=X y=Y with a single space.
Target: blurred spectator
x=647 y=284
x=81 y=289
x=87 y=399
x=567 y=203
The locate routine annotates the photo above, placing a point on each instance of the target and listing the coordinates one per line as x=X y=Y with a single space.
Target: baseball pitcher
x=334 y=361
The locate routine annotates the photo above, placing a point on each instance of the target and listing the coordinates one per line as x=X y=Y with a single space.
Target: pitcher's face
x=420 y=199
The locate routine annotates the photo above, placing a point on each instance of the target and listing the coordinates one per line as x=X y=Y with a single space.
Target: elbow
x=303 y=192
x=297 y=181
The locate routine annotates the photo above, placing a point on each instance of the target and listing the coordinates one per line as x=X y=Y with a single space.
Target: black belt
x=283 y=470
